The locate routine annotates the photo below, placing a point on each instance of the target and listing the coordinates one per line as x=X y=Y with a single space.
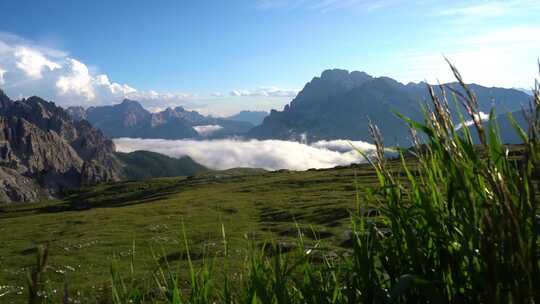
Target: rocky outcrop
x=19 y=188
x=44 y=151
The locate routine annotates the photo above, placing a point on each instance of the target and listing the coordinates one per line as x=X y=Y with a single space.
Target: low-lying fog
x=267 y=154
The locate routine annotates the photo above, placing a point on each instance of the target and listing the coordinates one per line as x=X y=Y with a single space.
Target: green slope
x=140 y=165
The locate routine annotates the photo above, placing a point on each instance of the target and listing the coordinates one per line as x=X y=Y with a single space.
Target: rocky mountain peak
x=344 y=77
x=335 y=75
x=77 y=112
x=43 y=151
x=336 y=105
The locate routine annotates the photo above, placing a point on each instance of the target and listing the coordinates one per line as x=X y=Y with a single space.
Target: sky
x=220 y=57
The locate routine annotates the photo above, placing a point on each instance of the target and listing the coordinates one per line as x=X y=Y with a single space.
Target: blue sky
x=223 y=56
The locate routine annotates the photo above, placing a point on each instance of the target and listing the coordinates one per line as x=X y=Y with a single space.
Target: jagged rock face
x=78 y=113
x=16 y=187
x=43 y=151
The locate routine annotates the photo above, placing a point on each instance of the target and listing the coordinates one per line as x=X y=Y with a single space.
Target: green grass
x=96 y=224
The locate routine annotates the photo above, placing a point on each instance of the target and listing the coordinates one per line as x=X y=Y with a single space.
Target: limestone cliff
x=43 y=151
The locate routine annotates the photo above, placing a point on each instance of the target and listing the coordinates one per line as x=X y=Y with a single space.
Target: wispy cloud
x=267 y=154
x=490 y=8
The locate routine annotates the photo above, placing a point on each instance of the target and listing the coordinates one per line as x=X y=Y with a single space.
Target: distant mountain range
x=130 y=119
x=339 y=104
x=253 y=117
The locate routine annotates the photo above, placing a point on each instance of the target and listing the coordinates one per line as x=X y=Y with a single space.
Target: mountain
x=43 y=151
x=253 y=117
x=140 y=165
x=339 y=104
x=130 y=119
x=122 y=120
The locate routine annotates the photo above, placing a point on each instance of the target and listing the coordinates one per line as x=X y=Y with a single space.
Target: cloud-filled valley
x=267 y=154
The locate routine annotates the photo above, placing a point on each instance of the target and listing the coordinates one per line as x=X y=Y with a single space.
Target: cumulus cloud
x=33 y=63
x=78 y=81
x=267 y=154
x=28 y=69
x=207 y=130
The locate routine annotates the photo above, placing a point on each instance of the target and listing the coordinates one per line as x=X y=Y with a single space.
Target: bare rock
x=44 y=151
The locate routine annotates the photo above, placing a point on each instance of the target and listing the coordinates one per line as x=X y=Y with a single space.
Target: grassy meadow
x=92 y=227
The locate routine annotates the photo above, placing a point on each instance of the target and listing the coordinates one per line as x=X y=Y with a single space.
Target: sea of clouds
x=268 y=154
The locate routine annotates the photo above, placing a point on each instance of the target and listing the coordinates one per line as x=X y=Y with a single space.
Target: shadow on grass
x=113 y=197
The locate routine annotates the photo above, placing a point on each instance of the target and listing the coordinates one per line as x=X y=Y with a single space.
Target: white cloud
x=33 y=62
x=78 y=82
x=207 y=130
x=266 y=92
x=483 y=117
x=267 y=154
x=29 y=69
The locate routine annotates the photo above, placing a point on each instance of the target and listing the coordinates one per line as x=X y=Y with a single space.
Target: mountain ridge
x=339 y=104
x=130 y=119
